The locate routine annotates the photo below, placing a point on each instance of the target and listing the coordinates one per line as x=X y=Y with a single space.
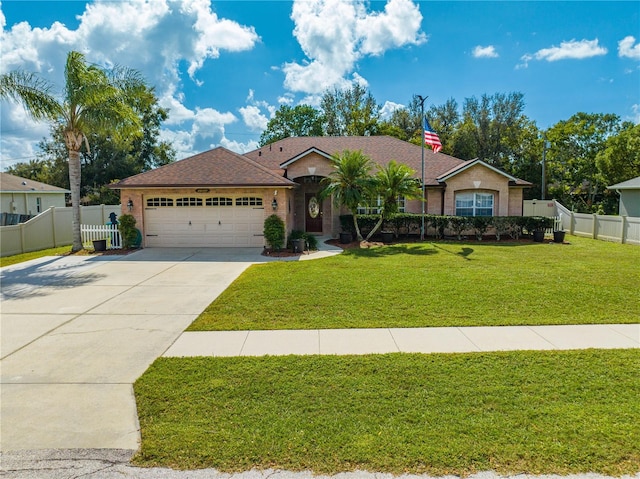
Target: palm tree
x=93 y=100
x=390 y=183
x=350 y=182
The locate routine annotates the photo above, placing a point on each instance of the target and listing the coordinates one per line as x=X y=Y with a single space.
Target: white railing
x=110 y=233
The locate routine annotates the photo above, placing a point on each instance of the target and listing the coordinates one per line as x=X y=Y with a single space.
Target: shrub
x=127 y=228
x=440 y=223
x=458 y=224
x=274 y=232
x=480 y=225
x=310 y=240
x=502 y=225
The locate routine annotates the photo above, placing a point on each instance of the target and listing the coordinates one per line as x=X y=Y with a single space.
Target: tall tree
x=620 y=159
x=490 y=124
x=444 y=119
x=405 y=123
x=573 y=175
x=350 y=112
x=93 y=99
x=349 y=183
x=301 y=120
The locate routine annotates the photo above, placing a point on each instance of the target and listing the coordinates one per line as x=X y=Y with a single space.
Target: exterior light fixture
x=274 y=204
x=130 y=205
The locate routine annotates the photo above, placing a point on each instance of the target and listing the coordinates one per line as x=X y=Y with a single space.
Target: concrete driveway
x=78 y=331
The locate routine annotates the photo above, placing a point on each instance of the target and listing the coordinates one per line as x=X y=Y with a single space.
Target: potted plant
x=536 y=225
x=346 y=237
x=558 y=236
x=100 y=244
x=387 y=236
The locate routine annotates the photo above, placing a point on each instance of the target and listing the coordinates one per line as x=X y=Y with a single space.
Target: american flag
x=431 y=137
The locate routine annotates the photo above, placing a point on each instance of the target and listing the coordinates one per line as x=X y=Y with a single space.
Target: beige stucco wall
x=515 y=201
x=312 y=160
x=478 y=179
x=284 y=197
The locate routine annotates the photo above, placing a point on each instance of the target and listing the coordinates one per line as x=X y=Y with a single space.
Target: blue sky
x=224 y=67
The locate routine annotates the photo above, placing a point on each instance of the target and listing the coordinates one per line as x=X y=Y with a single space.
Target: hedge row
x=404 y=224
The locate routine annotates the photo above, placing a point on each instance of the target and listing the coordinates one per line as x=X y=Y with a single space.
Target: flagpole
x=422 y=100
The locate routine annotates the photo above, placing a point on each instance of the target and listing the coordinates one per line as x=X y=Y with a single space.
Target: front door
x=313 y=213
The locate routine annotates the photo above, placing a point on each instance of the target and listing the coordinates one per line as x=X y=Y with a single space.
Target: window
x=219 y=201
x=159 y=202
x=474 y=204
x=38 y=204
x=374 y=209
x=248 y=201
x=189 y=202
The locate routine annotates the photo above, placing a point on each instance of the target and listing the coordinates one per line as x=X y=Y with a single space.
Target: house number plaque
x=314 y=207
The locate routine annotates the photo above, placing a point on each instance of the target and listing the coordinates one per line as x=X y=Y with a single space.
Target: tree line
x=584 y=154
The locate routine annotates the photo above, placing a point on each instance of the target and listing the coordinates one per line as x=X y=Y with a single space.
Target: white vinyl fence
x=50 y=229
x=619 y=229
x=110 y=233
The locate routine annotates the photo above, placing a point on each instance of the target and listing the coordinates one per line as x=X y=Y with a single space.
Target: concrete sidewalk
x=406 y=340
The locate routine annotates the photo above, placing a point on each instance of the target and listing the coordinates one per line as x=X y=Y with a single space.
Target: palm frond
x=33 y=92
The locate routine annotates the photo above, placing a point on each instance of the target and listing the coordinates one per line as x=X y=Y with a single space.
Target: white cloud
x=237 y=146
x=388 y=108
x=576 y=50
x=627 y=47
x=154 y=37
x=286 y=99
x=335 y=34
x=635 y=117
x=485 y=52
x=253 y=118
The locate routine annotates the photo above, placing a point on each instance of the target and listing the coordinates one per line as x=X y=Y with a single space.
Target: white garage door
x=204 y=221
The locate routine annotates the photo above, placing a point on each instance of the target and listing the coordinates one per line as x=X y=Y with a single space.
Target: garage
x=204 y=221
x=217 y=198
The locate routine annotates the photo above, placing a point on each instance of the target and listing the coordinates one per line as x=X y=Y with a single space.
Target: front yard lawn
x=557 y=412
x=437 y=284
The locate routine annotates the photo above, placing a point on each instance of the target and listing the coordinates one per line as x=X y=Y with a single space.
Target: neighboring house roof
x=468 y=164
x=218 y=168
x=381 y=149
x=15 y=184
x=632 y=184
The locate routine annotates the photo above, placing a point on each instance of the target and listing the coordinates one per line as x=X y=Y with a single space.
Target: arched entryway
x=312 y=215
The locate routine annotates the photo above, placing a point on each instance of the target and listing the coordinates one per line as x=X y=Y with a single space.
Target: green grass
x=514 y=412
x=437 y=284
x=20 y=258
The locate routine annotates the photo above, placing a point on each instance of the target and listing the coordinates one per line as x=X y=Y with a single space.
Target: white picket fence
x=91 y=233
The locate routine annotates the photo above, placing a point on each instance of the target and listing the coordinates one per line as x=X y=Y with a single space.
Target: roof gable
x=469 y=164
x=632 y=184
x=304 y=154
x=215 y=168
x=381 y=150
x=16 y=184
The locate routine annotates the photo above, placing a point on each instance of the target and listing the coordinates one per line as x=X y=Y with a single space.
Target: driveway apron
x=77 y=331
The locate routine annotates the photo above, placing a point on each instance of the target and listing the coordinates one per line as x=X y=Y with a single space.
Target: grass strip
x=21 y=258
x=557 y=412
x=437 y=284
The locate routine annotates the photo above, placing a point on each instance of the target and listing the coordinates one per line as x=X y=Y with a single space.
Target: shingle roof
x=11 y=183
x=264 y=166
x=632 y=184
x=381 y=149
x=218 y=167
